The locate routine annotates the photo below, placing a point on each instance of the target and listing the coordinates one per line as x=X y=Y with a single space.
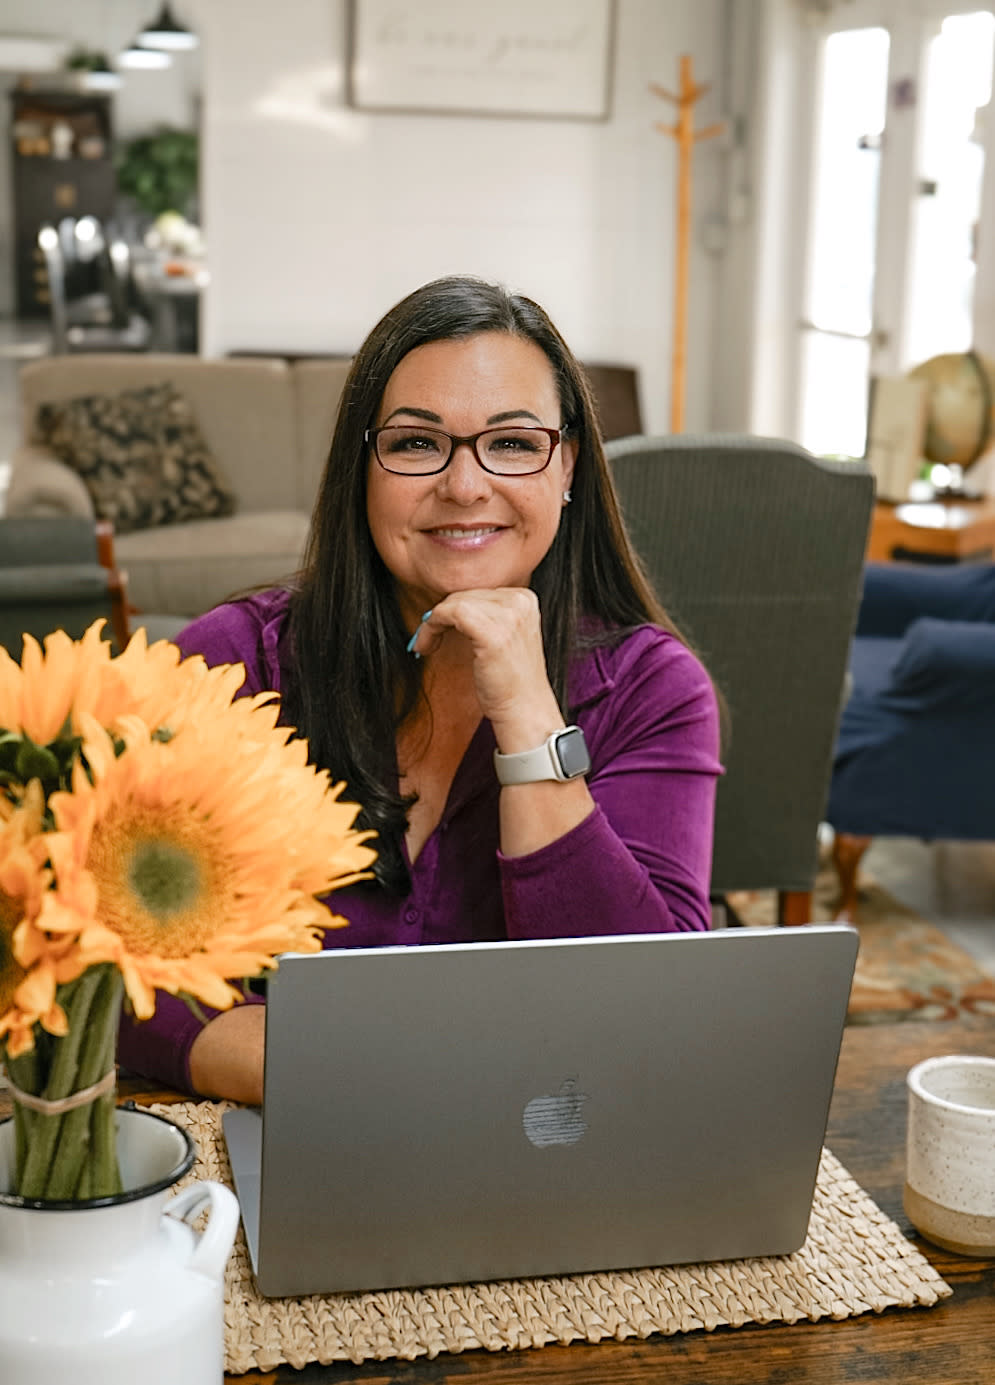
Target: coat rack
x=686 y=137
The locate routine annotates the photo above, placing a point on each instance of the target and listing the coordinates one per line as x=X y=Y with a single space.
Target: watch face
x=571 y=750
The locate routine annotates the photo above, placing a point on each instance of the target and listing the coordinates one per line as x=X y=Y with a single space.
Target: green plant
x=158 y=171
x=86 y=60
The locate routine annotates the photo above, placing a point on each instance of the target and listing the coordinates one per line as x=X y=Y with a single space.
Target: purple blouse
x=639 y=863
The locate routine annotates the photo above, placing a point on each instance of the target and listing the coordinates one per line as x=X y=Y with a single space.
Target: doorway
x=897 y=186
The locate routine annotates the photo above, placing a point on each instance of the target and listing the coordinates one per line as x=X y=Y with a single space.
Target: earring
x=567 y=497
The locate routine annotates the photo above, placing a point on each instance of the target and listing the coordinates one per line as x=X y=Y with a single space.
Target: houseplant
x=158 y=171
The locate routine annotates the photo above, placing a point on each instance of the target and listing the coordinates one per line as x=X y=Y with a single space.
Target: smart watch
x=562 y=756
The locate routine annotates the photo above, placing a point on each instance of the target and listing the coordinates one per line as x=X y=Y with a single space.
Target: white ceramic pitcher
x=117 y=1290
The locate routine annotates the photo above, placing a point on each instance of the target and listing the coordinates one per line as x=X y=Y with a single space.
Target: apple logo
x=556 y=1118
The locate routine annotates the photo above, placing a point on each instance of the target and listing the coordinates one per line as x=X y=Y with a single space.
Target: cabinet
x=62 y=165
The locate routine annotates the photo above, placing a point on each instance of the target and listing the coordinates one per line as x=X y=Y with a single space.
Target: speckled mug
x=950 y=1153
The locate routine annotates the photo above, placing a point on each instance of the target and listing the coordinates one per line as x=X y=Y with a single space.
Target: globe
x=960 y=409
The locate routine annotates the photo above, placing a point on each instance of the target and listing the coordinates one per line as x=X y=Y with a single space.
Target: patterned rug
x=907 y=969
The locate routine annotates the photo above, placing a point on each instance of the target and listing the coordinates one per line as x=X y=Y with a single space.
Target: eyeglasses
x=408 y=450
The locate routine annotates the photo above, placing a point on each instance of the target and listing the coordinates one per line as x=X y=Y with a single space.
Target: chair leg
x=847 y=853
x=793 y=907
x=117 y=584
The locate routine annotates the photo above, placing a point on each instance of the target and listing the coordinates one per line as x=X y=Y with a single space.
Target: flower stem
x=87 y=1140
x=75 y=998
x=24 y=1074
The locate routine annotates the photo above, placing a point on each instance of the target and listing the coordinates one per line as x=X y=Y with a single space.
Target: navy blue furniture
x=915 y=752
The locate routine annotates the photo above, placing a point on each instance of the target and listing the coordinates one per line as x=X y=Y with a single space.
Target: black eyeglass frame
x=555 y=436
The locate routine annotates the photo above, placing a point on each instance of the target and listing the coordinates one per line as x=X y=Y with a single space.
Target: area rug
x=907 y=969
x=855 y=1260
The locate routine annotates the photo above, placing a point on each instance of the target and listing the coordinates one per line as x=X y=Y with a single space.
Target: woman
x=469 y=589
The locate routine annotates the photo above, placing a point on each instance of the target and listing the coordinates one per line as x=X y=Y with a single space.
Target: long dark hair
x=353 y=682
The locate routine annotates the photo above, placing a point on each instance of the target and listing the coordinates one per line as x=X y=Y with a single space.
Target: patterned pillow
x=140 y=455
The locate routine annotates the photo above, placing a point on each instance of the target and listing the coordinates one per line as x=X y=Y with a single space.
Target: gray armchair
x=756 y=549
x=58 y=573
x=52 y=578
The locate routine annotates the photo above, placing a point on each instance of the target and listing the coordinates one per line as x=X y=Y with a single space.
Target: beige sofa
x=268 y=423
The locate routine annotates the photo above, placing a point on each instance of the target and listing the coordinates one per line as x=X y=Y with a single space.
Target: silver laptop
x=479 y=1111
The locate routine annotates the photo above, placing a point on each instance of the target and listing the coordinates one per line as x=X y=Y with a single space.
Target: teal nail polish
x=410 y=646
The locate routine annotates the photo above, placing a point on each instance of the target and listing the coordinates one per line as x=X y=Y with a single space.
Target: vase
x=118 y=1289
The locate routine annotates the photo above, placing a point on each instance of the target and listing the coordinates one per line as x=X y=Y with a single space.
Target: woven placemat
x=855 y=1260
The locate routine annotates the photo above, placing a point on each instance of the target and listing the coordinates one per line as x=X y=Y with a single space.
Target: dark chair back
x=616 y=396
x=89 y=273
x=756 y=549
x=50 y=244
x=52 y=578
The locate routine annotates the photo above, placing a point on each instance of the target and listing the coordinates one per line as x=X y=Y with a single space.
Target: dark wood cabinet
x=62 y=165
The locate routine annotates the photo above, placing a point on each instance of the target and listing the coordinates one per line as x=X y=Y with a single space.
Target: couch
x=915 y=752
x=267 y=423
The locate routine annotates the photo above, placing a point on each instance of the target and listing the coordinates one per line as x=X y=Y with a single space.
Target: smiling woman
x=472 y=646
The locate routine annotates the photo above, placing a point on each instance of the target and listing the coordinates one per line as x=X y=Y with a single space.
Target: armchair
x=756 y=549
x=915 y=754
x=58 y=574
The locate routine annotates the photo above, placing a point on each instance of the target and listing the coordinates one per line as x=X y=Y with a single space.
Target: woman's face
x=463 y=527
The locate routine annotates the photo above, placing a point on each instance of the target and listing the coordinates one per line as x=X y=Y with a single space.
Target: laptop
x=479 y=1111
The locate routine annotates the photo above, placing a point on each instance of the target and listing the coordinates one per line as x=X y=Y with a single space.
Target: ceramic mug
x=950 y=1154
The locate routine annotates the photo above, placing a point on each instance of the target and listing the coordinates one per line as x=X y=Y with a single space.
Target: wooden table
x=951 y=1344
x=955 y=530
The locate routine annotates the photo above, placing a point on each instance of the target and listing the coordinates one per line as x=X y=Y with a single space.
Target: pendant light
x=135 y=56
x=167 y=33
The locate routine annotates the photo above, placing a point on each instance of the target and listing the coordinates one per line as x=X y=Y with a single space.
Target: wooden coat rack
x=686 y=137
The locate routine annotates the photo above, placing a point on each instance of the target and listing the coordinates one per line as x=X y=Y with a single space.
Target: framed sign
x=477 y=57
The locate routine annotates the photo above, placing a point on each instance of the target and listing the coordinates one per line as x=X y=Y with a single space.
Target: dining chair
x=755 y=548
x=616 y=397
x=89 y=319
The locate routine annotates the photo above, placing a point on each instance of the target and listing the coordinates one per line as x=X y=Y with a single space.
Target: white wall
x=782 y=113
x=319 y=216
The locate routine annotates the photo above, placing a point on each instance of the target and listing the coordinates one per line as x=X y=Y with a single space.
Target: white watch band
x=544 y=762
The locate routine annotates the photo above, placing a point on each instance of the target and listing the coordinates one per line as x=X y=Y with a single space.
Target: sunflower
x=154 y=682
x=203 y=853
x=32 y=964
x=71 y=680
x=38 y=695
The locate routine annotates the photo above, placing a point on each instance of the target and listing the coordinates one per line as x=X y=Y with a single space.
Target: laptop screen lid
x=477 y=1111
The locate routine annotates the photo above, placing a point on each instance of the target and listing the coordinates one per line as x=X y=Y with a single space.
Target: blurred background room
x=241 y=182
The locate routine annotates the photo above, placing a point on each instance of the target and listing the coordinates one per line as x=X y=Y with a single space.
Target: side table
x=942 y=530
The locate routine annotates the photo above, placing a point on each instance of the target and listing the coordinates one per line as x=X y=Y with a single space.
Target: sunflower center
x=164 y=880
x=165 y=877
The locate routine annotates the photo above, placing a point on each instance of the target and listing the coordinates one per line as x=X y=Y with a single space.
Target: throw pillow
x=140 y=455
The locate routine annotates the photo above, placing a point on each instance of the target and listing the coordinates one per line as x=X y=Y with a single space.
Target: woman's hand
x=504 y=632
x=502 y=627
